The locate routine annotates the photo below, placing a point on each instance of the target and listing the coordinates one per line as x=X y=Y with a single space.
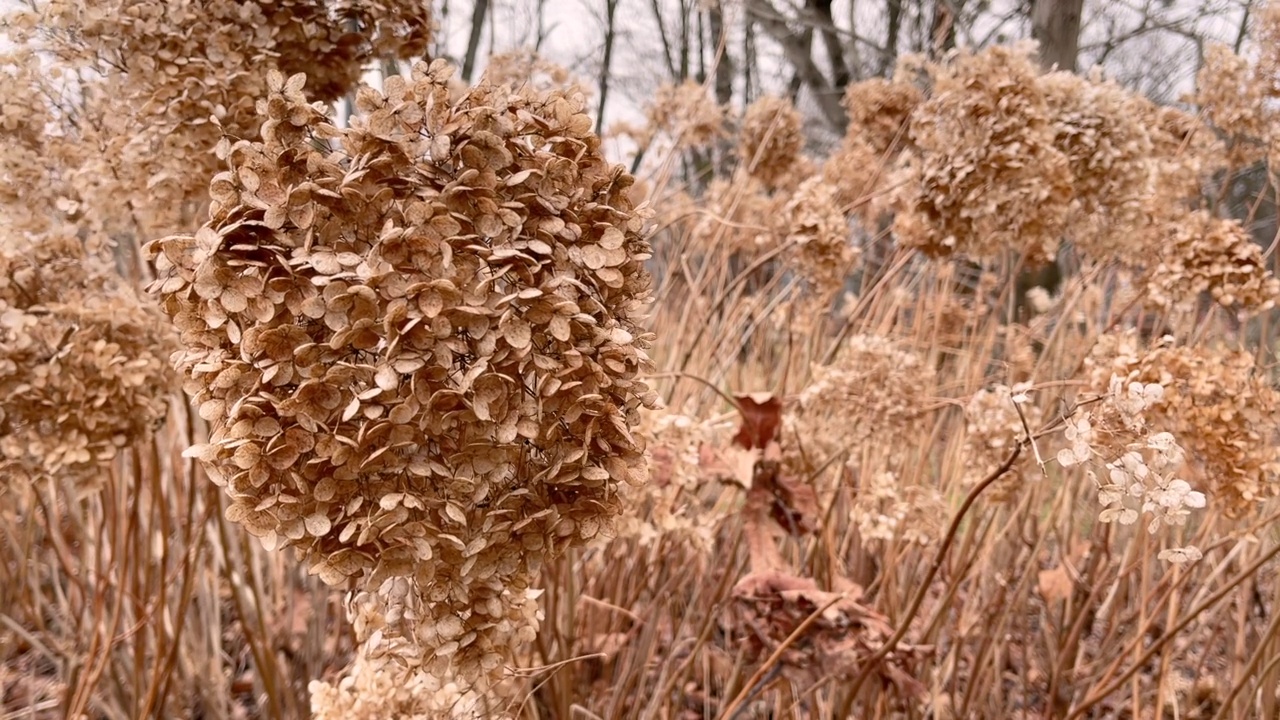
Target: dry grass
x=893 y=477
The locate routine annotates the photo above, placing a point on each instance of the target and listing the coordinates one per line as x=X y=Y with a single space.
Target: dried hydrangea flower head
x=770 y=140
x=151 y=74
x=823 y=251
x=986 y=173
x=686 y=113
x=84 y=365
x=1233 y=98
x=417 y=342
x=1217 y=402
x=1097 y=125
x=1201 y=254
x=879 y=113
x=872 y=390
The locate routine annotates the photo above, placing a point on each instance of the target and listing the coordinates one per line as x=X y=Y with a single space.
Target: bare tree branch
x=798 y=55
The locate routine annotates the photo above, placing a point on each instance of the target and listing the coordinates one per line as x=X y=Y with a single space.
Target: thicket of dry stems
x=412 y=355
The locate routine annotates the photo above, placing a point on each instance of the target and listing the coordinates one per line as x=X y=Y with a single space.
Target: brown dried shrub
x=418 y=350
x=815 y=224
x=84 y=366
x=687 y=113
x=152 y=73
x=862 y=167
x=1097 y=126
x=1233 y=99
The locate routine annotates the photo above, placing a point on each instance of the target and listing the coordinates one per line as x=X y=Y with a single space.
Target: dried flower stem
x=904 y=625
x=748 y=687
x=1099 y=695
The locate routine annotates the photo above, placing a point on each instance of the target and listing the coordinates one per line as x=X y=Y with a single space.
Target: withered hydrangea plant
x=417 y=344
x=985 y=174
x=83 y=361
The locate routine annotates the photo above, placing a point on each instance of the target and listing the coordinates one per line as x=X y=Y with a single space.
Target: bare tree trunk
x=478 y=12
x=942 y=28
x=724 y=60
x=890 y=55
x=749 y=60
x=826 y=23
x=610 y=12
x=656 y=7
x=1056 y=25
x=685 y=9
x=541 y=36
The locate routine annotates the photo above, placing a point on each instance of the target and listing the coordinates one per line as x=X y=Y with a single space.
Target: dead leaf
x=1055 y=584
x=761 y=418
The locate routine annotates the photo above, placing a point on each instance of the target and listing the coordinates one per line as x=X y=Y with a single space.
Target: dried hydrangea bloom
x=986 y=174
x=1217 y=402
x=396 y=674
x=993 y=426
x=1266 y=37
x=686 y=113
x=820 y=232
x=770 y=139
x=873 y=389
x=880 y=112
x=862 y=168
x=520 y=67
x=1233 y=98
x=1201 y=253
x=416 y=340
x=84 y=365
x=887 y=508
x=151 y=73
x=1185 y=151
x=1097 y=125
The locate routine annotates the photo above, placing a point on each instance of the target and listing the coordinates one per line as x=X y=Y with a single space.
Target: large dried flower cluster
x=887 y=508
x=1185 y=151
x=520 y=67
x=686 y=113
x=1097 y=126
x=862 y=167
x=1140 y=465
x=685 y=454
x=83 y=362
x=986 y=174
x=396 y=674
x=1217 y=402
x=873 y=389
x=418 y=347
x=821 y=234
x=31 y=177
x=1266 y=37
x=1233 y=98
x=770 y=139
x=880 y=111
x=162 y=68
x=1201 y=254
